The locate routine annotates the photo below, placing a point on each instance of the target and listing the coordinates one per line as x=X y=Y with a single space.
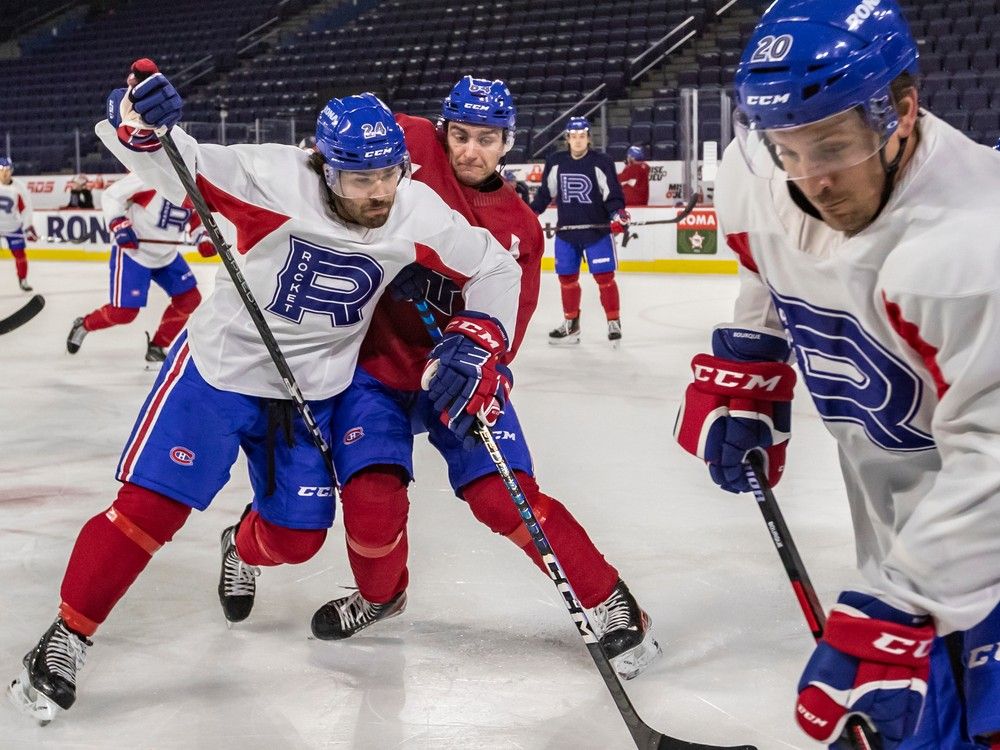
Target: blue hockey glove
x=873 y=660
x=150 y=102
x=740 y=401
x=464 y=377
x=125 y=236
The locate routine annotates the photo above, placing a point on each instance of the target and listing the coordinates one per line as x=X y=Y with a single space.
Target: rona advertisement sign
x=698 y=234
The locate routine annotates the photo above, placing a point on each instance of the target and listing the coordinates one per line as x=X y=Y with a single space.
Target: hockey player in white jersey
x=15 y=219
x=866 y=231
x=318 y=238
x=147 y=231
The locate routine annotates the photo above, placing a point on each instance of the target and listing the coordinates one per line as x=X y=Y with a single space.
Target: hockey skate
x=567 y=333
x=25 y=286
x=76 y=336
x=154 y=353
x=626 y=633
x=47 y=684
x=615 y=333
x=237 y=580
x=342 y=618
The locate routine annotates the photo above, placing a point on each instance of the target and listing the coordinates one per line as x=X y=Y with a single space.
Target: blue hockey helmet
x=478 y=101
x=577 y=123
x=807 y=62
x=6 y=163
x=996 y=146
x=636 y=153
x=359 y=133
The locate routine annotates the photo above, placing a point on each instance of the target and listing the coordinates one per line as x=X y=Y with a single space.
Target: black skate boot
x=154 y=353
x=47 y=684
x=237 y=580
x=76 y=336
x=25 y=286
x=342 y=618
x=625 y=632
x=567 y=333
x=615 y=332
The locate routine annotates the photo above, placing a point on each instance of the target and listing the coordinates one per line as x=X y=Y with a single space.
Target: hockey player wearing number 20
x=372 y=438
x=352 y=215
x=866 y=229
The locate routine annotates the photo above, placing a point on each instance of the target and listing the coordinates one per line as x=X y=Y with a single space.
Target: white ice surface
x=486 y=655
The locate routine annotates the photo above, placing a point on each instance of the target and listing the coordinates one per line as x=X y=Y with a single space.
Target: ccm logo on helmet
x=477 y=106
x=769 y=99
x=378 y=152
x=862 y=13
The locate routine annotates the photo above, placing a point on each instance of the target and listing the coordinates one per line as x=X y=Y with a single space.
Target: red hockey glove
x=740 y=401
x=206 y=248
x=873 y=660
x=620 y=222
x=464 y=377
x=30 y=234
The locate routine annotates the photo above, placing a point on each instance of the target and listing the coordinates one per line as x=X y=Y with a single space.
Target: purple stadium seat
x=974 y=99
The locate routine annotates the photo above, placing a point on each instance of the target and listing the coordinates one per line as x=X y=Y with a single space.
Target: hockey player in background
x=372 y=436
x=147 y=229
x=348 y=214
x=866 y=231
x=15 y=219
x=634 y=178
x=584 y=185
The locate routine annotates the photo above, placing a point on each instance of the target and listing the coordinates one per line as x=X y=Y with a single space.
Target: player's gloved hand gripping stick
x=157 y=107
x=857 y=734
x=645 y=737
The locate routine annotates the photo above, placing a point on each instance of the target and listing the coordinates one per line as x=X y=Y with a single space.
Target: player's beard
x=370 y=213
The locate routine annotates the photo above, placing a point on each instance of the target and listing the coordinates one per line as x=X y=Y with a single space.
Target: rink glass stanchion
x=226 y=255
x=858 y=735
x=646 y=738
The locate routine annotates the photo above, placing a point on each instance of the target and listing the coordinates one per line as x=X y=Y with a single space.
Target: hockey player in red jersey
x=634 y=178
x=372 y=439
x=866 y=232
x=147 y=229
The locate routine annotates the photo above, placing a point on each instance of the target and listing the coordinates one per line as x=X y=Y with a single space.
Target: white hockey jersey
x=896 y=332
x=316 y=279
x=15 y=207
x=153 y=217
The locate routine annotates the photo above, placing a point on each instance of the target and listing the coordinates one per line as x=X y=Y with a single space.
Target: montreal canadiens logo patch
x=182 y=456
x=353 y=435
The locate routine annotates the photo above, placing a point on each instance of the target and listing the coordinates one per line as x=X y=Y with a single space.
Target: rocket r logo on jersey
x=326 y=282
x=6 y=205
x=854 y=378
x=173 y=216
x=575 y=187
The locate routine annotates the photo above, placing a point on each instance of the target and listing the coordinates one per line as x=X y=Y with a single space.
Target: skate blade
x=30 y=702
x=616 y=344
x=629 y=664
x=567 y=341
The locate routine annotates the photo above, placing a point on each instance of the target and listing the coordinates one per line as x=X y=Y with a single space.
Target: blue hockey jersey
x=586 y=191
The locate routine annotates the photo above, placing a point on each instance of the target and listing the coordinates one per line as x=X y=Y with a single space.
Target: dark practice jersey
x=586 y=191
x=396 y=347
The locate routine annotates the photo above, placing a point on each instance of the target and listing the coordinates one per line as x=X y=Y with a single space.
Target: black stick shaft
x=857 y=733
x=226 y=254
x=646 y=738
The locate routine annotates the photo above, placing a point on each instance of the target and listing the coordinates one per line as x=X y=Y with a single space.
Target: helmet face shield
x=815 y=149
x=366 y=184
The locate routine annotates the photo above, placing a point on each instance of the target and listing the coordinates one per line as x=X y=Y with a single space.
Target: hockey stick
x=18 y=318
x=226 y=254
x=684 y=213
x=646 y=738
x=858 y=734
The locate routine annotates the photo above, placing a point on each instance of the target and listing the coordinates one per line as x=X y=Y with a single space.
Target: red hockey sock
x=569 y=285
x=375 y=507
x=112 y=550
x=590 y=575
x=109 y=315
x=175 y=316
x=20 y=263
x=607 y=287
x=260 y=542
